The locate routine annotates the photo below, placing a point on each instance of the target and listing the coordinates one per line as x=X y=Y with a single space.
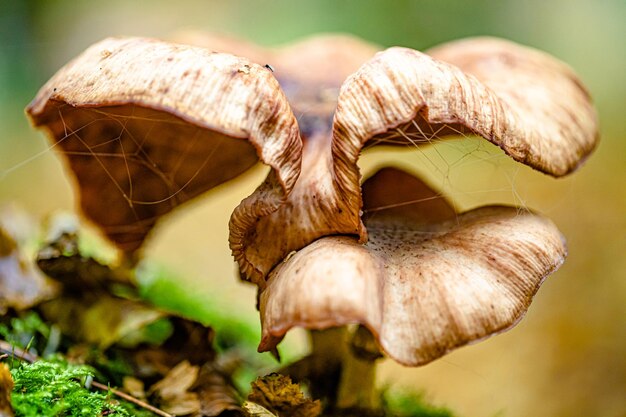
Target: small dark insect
x=269 y=67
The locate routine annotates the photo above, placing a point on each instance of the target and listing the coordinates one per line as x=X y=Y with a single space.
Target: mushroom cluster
x=146 y=125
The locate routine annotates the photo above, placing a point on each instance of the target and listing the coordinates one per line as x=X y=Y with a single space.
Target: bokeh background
x=567 y=357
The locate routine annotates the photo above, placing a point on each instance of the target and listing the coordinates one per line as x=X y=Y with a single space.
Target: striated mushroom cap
x=146 y=125
x=310 y=72
x=426 y=282
x=526 y=102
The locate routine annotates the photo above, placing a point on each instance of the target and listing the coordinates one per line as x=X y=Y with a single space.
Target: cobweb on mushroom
x=117 y=151
x=449 y=157
x=464 y=168
x=147 y=162
x=112 y=149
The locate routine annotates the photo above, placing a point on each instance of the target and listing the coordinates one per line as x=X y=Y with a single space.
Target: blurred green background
x=568 y=356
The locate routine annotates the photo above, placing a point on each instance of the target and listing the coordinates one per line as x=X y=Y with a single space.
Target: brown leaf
x=80 y=275
x=104 y=321
x=183 y=404
x=215 y=393
x=279 y=395
x=189 y=341
x=6 y=387
x=178 y=380
x=134 y=387
x=86 y=310
x=21 y=284
x=172 y=392
x=255 y=410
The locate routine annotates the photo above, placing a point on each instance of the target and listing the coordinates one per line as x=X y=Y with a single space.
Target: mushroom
x=311 y=73
x=146 y=125
x=127 y=113
x=427 y=281
x=524 y=101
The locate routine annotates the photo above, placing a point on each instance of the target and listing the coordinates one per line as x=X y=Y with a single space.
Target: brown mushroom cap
x=425 y=283
x=524 y=101
x=528 y=103
x=310 y=72
x=554 y=111
x=120 y=111
x=313 y=62
x=145 y=125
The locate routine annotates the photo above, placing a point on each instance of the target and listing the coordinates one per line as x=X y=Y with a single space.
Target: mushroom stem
x=322 y=367
x=358 y=374
x=356 y=386
x=341 y=369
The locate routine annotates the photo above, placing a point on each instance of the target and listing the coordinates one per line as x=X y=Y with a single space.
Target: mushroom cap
x=426 y=282
x=528 y=103
x=325 y=59
x=310 y=72
x=145 y=125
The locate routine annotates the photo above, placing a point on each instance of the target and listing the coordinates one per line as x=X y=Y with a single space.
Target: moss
x=49 y=388
x=409 y=404
x=233 y=331
x=27 y=330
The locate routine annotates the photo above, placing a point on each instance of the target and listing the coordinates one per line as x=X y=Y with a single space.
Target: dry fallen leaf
x=6 y=386
x=216 y=393
x=134 y=386
x=21 y=284
x=86 y=310
x=284 y=398
x=189 y=341
x=172 y=392
x=62 y=260
x=103 y=322
x=177 y=381
x=256 y=410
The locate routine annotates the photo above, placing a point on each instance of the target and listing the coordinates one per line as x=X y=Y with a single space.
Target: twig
x=131 y=399
x=16 y=352
x=9 y=350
